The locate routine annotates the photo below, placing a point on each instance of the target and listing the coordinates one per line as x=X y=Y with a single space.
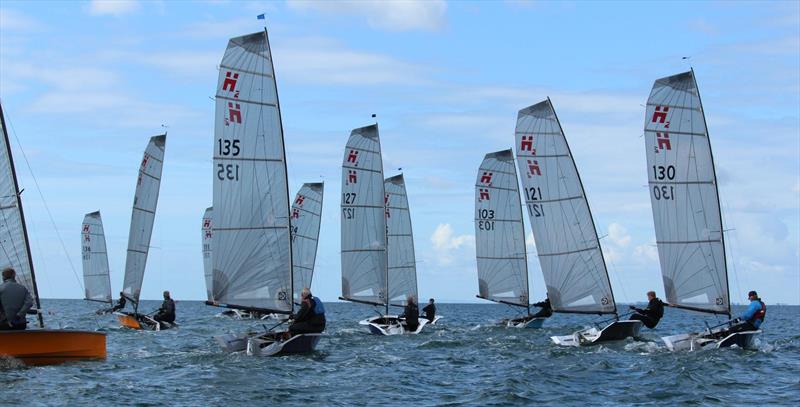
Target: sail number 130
x=662 y=172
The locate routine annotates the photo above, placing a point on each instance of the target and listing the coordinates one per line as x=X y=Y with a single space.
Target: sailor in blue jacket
x=752 y=319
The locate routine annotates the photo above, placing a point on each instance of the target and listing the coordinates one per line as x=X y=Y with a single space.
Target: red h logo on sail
x=533 y=168
x=206 y=223
x=351 y=177
x=299 y=200
x=230 y=81
x=86 y=232
x=145 y=160
x=353 y=157
x=486 y=178
x=483 y=194
x=386 y=204
x=295 y=213
x=234 y=113
x=527 y=144
x=663 y=141
x=660 y=115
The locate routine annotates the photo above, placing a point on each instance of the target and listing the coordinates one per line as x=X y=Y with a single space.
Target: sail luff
x=716 y=189
x=684 y=197
x=568 y=248
x=145 y=202
x=31 y=285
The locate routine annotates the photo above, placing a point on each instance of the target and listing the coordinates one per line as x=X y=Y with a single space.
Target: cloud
x=403 y=15
x=618 y=235
x=112 y=7
x=12 y=20
x=646 y=252
x=445 y=243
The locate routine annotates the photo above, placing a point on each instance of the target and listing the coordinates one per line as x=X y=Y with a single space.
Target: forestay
x=364 y=261
x=684 y=197
x=306 y=217
x=13 y=236
x=400 y=242
x=145 y=201
x=96 y=278
x=499 y=232
x=566 y=240
x=207 y=234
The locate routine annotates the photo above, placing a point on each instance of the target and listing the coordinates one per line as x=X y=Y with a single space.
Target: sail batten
x=363 y=250
x=402 y=263
x=96 y=278
x=566 y=239
x=500 y=232
x=145 y=201
x=251 y=247
x=306 y=218
x=684 y=197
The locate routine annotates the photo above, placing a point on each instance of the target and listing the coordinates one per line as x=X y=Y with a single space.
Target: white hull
x=533 y=323
x=713 y=339
x=391 y=325
x=615 y=331
x=435 y=319
x=238 y=315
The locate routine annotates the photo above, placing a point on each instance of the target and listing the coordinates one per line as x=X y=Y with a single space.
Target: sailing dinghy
x=567 y=246
x=252 y=241
x=365 y=241
x=96 y=278
x=500 y=238
x=143 y=216
x=33 y=346
x=686 y=211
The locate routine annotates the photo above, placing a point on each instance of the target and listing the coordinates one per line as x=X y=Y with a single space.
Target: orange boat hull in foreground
x=129 y=321
x=52 y=346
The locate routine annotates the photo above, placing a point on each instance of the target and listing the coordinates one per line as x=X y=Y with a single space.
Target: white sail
x=566 y=240
x=499 y=232
x=684 y=197
x=400 y=242
x=251 y=247
x=206 y=234
x=145 y=201
x=364 y=261
x=96 y=278
x=306 y=217
x=13 y=236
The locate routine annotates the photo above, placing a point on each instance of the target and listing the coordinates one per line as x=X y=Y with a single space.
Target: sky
x=85 y=84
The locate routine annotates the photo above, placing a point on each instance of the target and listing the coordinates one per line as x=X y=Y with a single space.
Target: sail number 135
x=228 y=148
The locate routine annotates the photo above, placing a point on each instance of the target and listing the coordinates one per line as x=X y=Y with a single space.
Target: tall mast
x=588 y=207
x=286 y=171
x=22 y=217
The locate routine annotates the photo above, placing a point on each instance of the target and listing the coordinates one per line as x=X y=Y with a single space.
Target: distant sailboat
x=96 y=278
x=305 y=220
x=32 y=346
x=143 y=216
x=365 y=253
x=686 y=211
x=251 y=246
x=566 y=238
x=500 y=237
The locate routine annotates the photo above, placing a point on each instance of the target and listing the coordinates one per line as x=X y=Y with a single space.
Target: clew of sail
x=305 y=220
x=400 y=242
x=499 y=232
x=364 y=261
x=96 y=277
x=251 y=244
x=145 y=201
x=684 y=197
x=566 y=240
x=206 y=235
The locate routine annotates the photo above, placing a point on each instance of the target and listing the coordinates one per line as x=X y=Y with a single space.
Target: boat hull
x=617 y=330
x=268 y=345
x=533 y=323
x=391 y=325
x=36 y=347
x=142 y=322
x=711 y=340
x=238 y=314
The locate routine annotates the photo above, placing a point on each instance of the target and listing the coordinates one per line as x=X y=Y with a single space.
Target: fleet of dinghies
x=259 y=252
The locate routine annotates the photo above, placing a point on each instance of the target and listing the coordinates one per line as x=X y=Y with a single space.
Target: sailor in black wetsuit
x=120 y=303
x=650 y=315
x=430 y=311
x=167 y=311
x=546 y=310
x=311 y=317
x=411 y=314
